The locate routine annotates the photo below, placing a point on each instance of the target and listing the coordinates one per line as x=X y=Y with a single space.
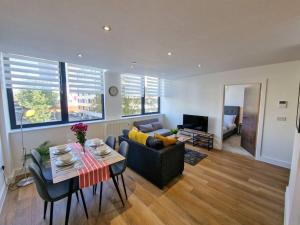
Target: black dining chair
x=37 y=159
x=118 y=169
x=46 y=171
x=111 y=142
x=50 y=192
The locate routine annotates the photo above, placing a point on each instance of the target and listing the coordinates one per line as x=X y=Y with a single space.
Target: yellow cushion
x=138 y=136
x=132 y=133
x=167 y=141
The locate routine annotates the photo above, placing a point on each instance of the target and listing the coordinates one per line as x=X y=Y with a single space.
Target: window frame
x=63 y=104
x=143 y=112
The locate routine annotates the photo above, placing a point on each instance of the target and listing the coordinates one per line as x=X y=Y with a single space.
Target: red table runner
x=92 y=171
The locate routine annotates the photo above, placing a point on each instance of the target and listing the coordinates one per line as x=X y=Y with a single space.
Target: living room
x=117 y=66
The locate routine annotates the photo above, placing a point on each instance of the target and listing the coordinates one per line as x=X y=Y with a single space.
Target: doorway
x=240 y=118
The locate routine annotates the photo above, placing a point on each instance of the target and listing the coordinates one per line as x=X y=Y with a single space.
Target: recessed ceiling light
x=79 y=55
x=199 y=65
x=169 y=53
x=106 y=28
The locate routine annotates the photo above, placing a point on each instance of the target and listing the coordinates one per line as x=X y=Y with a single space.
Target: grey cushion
x=157 y=125
x=146 y=128
x=163 y=132
x=154 y=143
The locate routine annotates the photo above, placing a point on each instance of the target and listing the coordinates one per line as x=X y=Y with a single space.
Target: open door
x=250 y=118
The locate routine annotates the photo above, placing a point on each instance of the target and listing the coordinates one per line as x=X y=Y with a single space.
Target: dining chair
x=50 y=192
x=111 y=142
x=37 y=159
x=118 y=169
x=46 y=171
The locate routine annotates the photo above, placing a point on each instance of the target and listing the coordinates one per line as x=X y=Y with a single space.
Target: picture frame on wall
x=298 y=112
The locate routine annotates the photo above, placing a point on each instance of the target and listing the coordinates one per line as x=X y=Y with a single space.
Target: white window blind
x=22 y=72
x=132 y=85
x=152 y=86
x=85 y=80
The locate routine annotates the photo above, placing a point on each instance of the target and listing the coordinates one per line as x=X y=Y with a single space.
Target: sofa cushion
x=163 y=132
x=157 y=125
x=167 y=141
x=138 y=136
x=125 y=133
x=154 y=143
x=146 y=128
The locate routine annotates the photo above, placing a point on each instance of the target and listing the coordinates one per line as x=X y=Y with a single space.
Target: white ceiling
x=219 y=34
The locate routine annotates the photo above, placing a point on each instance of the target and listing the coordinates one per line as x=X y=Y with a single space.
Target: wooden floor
x=224 y=188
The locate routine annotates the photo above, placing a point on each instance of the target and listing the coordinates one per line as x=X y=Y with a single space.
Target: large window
x=140 y=94
x=85 y=93
x=52 y=96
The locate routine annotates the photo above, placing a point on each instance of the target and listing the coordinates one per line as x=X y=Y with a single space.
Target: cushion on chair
x=47 y=173
x=167 y=141
x=146 y=128
x=60 y=190
x=157 y=125
x=163 y=132
x=138 y=136
x=118 y=168
x=154 y=143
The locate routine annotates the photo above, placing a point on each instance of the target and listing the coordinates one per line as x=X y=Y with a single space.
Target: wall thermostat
x=282 y=104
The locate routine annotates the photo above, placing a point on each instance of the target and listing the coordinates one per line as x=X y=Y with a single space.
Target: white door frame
x=261 y=114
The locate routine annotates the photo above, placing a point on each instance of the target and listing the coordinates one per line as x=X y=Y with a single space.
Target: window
x=54 y=96
x=85 y=93
x=140 y=95
x=152 y=93
x=132 y=93
x=32 y=84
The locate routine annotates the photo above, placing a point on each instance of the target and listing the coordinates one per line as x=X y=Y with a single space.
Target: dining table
x=71 y=172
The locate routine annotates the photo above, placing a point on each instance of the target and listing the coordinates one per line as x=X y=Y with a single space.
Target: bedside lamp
x=27 y=180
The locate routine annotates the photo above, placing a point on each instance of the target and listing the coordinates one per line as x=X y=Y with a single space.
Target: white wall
x=292 y=197
x=234 y=95
x=203 y=95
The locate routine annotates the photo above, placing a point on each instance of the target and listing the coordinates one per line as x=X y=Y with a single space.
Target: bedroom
x=240 y=120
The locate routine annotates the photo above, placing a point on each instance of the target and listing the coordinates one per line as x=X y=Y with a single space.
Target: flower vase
x=83 y=148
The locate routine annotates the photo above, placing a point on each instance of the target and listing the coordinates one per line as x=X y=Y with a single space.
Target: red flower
x=79 y=127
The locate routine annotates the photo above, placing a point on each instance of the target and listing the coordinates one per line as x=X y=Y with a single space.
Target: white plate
x=94 y=143
x=60 y=163
x=59 y=152
x=105 y=151
x=65 y=157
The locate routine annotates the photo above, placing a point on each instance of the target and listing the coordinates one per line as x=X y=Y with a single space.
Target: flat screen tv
x=195 y=122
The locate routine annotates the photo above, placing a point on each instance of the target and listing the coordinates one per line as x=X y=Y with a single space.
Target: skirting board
x=276 y=162
x=3 y=193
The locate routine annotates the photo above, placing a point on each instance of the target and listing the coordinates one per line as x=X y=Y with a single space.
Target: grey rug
x=193 y=157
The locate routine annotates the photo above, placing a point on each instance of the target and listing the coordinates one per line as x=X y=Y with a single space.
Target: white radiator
x=116 y=128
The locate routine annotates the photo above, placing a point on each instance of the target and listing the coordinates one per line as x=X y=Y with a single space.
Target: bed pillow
x=146 y=128
x=229 y=119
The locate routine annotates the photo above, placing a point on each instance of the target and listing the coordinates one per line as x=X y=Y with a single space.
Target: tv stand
x=199 y=138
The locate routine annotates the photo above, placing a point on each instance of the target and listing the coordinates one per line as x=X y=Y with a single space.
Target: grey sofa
x=161 y=131
x=157 y=166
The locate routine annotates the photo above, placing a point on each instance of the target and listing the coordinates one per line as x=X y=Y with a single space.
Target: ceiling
x=218 y=34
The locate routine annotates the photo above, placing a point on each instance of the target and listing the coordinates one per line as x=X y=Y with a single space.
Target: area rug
x=193 y=157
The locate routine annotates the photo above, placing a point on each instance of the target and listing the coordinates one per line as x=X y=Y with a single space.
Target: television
x=195 y=122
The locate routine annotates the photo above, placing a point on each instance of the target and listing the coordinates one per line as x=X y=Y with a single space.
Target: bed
x=230 y=121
